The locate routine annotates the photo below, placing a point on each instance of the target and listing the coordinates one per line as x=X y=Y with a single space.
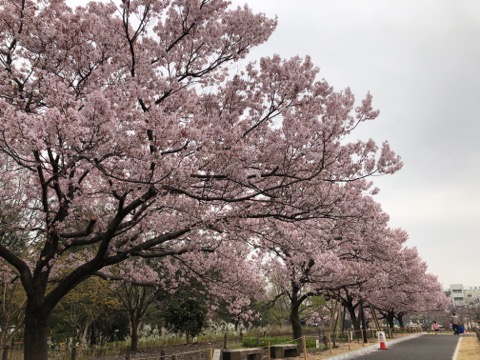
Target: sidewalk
x=420 y=346
x=371 y=348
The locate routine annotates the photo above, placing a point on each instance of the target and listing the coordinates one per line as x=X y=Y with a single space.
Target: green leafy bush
x=263 y=341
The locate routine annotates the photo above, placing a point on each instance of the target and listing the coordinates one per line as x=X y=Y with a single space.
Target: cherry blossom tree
x=394 y=284
x=330 y=256
x=125 y=135
x=409 y=289
x=302 y=266
x=227 y=276
x=367 y=247
x=471 y=314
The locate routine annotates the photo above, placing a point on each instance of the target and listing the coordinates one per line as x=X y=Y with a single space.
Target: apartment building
x=462 y=296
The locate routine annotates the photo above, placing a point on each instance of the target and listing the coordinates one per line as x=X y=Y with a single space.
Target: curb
x=455 y=354
x=369 y=349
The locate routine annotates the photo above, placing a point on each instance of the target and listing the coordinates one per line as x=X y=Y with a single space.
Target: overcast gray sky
x=420 y=59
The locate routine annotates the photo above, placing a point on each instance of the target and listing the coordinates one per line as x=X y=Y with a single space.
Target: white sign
x=216 y=354
x=381 y=336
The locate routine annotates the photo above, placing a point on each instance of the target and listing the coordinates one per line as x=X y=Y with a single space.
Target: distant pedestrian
x=435 y=327
x=455 y=320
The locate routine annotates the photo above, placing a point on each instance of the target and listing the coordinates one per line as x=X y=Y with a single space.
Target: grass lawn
x=469 y=348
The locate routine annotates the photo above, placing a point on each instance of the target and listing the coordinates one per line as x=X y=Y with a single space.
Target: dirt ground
x=340 y=349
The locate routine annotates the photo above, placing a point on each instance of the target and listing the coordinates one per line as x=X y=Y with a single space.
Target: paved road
x=426 y=347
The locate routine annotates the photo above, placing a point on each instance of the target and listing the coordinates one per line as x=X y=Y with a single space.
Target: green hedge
x=263 y=341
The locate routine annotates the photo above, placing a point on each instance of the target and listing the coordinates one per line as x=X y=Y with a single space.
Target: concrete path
x=424 y=347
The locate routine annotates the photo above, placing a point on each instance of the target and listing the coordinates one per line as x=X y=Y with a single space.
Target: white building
x=464 y=297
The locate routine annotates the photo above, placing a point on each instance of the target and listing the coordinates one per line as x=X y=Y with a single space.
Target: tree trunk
x=134 y=340
x=343 y=318
x=400 y=320
x=82 y=335
x=390 y=318
x=353 y=316
x=35 y=335
x=295 y=320
x=134 y=325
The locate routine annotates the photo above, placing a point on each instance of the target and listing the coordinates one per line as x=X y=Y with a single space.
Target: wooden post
x=375 y=319
x=74 y=353
x=304 y=347
x=339 y=317
x=5 y=354
x=225 y=341
x=210 y=354
x=333 y=316
x=268 y=350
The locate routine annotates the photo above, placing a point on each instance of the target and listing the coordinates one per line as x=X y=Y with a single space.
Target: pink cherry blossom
x=124 y=135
